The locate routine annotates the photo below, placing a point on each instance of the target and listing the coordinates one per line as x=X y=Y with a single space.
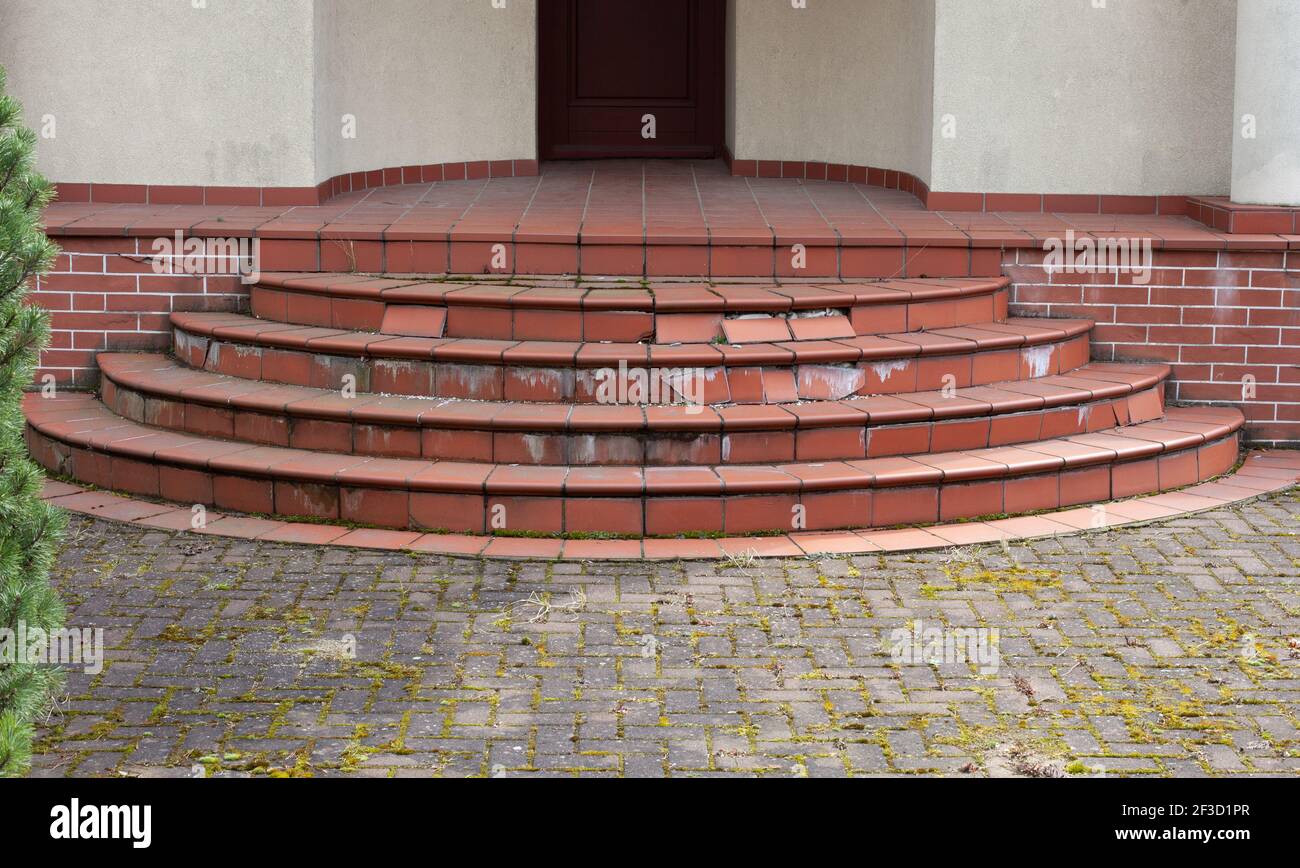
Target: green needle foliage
x=30 y=529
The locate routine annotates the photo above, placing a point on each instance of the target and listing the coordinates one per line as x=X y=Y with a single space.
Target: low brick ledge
x=935 y=200
x=1261 y=473
x=270 y=197
x=1223 y=215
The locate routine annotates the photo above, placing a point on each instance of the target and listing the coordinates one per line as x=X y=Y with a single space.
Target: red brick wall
x=104 y=295
x=1216 y=317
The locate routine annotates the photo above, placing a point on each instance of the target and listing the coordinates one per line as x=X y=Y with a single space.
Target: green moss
x=1017 y=580
x=177 y=633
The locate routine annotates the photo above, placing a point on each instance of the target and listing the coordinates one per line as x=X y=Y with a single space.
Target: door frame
x=555 y=59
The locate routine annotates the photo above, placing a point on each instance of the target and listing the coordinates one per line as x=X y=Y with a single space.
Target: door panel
x=630 y=50
x=606 y=64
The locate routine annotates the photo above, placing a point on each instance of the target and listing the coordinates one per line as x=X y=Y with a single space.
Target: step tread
x=662 y=297
x=82 y=421
x=1012 y=334
x=160 y=376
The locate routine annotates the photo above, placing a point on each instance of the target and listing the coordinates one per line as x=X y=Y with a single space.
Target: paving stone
x=1122 y=649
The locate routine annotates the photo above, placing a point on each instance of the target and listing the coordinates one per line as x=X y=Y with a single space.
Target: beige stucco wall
x=428 y=81
x=1266 y=152
x=253 y=92
x=1055 y=96
x=729 y=91
x=841 y=81
x=158 y=92
x=1047 y=95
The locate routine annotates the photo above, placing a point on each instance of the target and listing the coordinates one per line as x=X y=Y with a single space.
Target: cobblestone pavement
x=1164 y=650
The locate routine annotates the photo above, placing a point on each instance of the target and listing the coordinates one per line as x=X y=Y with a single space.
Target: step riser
x=592 y=326
x=582 y=384
x=477 y=512
x=628 y=448
x=847 y=262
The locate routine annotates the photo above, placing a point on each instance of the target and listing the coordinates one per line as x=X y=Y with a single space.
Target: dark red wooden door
x=605 y=65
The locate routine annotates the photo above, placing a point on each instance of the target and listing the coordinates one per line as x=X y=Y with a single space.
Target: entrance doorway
x=630 y=78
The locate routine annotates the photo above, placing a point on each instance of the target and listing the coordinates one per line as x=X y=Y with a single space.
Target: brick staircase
x=476 y=406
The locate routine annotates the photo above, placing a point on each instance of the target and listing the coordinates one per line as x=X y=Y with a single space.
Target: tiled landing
x=656 y=218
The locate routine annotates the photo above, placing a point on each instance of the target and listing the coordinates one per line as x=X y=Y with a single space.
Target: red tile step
x=155 y=390
x=78 y=436
x=571 y=372
x=620 y=311
x=1259 y=474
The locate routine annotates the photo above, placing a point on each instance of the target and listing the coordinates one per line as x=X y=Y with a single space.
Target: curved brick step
x=154 y=390
x=1260 y=473
x=559 y=372
x=625 y=313
x=78 y=436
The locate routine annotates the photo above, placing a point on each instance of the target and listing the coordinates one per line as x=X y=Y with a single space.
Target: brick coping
x=1262 y=472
